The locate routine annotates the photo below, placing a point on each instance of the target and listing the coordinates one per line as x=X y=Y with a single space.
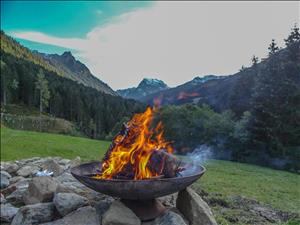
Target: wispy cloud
x=176 y=41
x=72 y=43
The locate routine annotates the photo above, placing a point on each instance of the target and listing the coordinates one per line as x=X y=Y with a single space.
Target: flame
x=134 y=147
x=184 y=95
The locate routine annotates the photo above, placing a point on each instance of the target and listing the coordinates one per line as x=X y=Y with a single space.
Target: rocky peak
x=67 y=54
x=152 y=82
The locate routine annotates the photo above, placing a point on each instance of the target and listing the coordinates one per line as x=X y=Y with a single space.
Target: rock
x=7 y=212
x=64 y=162
x=68 y=202
x=75 y=162
x=16 y=197
x=124 y=215
x=16 y=179
x=169 y=200
x=4 y=179
x=102 y=206
x=16 y=191
x=11 y=168
x=2 y=199
x=169 y=218
x=191 y=205
x=27 y=171
x=52 y=166
x=85 y=215
x=34 y=214
x=6 y=174
x=40 y=189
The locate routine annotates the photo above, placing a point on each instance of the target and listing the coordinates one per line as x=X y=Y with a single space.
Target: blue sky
x=62 y=19
x=123 y=42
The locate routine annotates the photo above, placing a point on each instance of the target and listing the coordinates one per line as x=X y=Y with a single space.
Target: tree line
x=95 y=113
x=267 y=134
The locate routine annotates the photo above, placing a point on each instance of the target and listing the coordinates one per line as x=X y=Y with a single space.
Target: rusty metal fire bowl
x=139 y=195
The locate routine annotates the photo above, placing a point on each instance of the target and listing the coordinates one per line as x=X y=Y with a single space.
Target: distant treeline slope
x=94 y=112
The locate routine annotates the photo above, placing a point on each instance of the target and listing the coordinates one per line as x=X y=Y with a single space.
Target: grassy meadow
x=279 y=189
x=18 y=144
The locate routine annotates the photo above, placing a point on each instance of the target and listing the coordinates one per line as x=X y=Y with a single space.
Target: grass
x=17 y=144
x=280 y=189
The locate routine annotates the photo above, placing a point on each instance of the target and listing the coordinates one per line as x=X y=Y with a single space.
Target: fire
x=132 y=148
x=184 y=95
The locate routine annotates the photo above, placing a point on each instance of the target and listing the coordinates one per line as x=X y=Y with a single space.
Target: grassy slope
x=17 y=144
x=278 y=188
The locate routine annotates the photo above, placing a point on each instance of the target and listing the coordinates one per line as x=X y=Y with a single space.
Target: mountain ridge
x=145 y=87
x=76 y=70
x=64 y=65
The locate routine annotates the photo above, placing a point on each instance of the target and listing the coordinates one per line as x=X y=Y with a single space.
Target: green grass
x=279 y=189
x=17 y=144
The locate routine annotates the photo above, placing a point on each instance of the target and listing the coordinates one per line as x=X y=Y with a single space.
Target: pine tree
x=254 y=60
x=273 y=48
x=276 y=107
x=42 y=85
x=292 y=43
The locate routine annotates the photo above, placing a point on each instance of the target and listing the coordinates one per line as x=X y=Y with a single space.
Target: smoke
x=200 y=154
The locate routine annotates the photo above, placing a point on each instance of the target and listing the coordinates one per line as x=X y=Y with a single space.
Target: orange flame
x=134 y=148
x=184 y=95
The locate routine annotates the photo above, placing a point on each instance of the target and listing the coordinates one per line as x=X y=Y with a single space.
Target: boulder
x=75 y=162
x=16 y=179
x=169 y=218
x=52 y=166
x=7 y=212
x=196 y=211
x=2 y=198
x=169 y=200
x=68 y=202
x=4 y=179
x=85 y=215
x=10 y=167
x=28 y=171
x=40 y=189
x=119 y=214
x=34 y=214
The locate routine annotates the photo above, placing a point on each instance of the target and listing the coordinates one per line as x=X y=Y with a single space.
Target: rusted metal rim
x=203 y=170
x=145 y=189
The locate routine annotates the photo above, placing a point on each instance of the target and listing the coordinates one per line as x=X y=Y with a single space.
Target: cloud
x=176 y=41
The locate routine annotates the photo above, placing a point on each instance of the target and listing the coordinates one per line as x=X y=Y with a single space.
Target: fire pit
x=138 y=195
x=138 y=168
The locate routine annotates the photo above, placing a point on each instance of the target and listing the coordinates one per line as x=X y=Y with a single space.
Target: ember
x=139 y=151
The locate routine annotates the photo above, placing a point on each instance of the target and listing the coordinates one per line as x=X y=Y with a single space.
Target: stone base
x=146 y=210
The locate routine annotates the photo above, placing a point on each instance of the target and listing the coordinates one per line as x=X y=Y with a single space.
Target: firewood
x=164 y=163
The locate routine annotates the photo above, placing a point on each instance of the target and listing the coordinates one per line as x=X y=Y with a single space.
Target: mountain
x=75 y=70
x=201 y=80
x=146 y=87
x=220 y=92
x=64 y=65
x=95 y=113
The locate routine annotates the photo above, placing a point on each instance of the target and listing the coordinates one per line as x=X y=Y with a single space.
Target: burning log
x=164 y=163
x=139 y=151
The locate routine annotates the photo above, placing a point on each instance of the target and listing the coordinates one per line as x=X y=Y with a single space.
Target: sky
x=123 y=42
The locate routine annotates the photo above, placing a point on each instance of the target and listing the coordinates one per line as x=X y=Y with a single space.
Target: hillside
x=146 y=87
x=64 y=65
x=225 y=92
x=95 y=113
x=76 y=71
